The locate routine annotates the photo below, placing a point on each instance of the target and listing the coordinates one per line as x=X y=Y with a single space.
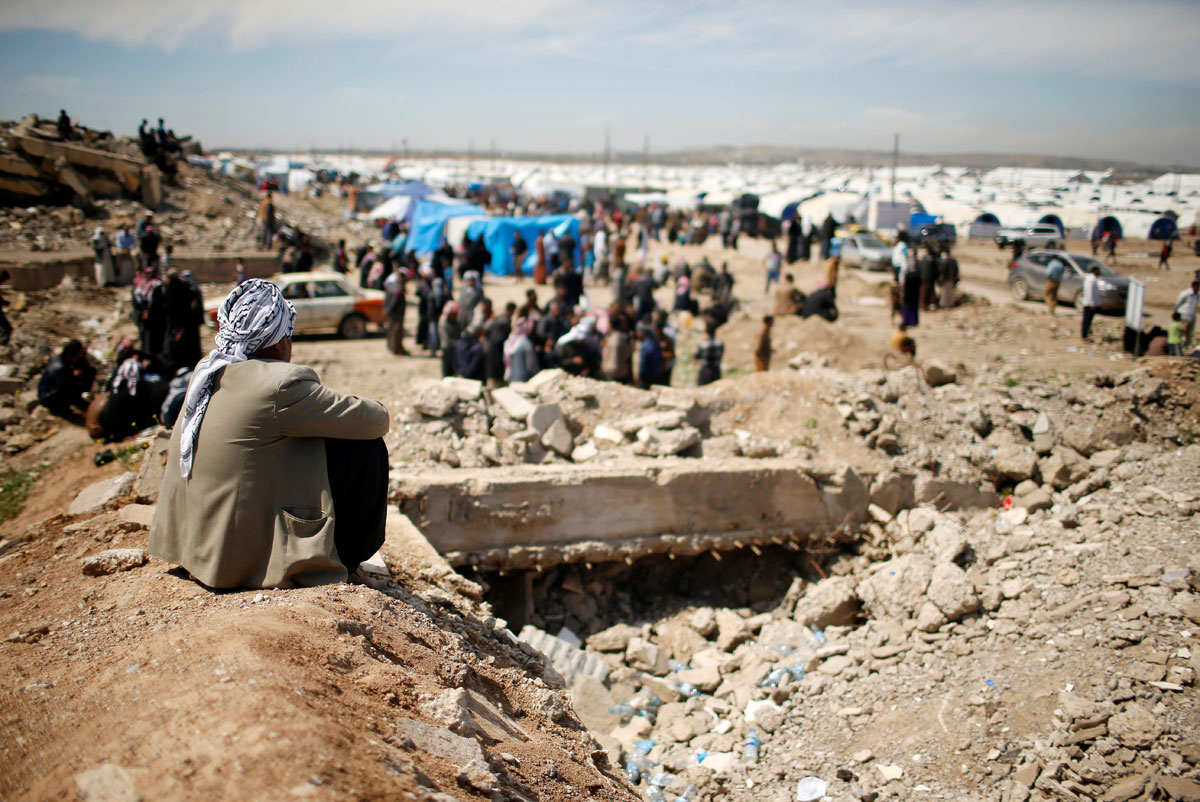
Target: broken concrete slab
x=569 y=661
x=670 y=419
x=515 y=405
x=96 y=497
x=543 y=515
x=137 y=514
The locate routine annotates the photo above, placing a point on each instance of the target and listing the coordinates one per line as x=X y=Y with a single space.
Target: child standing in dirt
x=1175 y=335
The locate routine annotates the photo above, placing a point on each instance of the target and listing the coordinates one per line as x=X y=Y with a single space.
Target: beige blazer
x=257 y=511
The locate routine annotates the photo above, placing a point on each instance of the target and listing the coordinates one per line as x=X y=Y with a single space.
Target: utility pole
x=645 y=159
x=895 y=158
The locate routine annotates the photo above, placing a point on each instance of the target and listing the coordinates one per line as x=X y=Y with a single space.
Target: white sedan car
x=325 y=301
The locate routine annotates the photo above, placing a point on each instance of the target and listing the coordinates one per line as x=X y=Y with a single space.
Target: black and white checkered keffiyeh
x=129 y=373
x=254 y=316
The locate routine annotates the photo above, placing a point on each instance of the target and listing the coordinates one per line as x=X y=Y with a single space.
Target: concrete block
x=96 y=497
x=558 y=437
x=515 y=405
x=543 y=416
x=542 y=515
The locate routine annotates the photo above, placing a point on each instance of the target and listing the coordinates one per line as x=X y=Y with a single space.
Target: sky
x=1114 y=80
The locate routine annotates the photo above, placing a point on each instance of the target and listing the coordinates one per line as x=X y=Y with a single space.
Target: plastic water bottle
x=623 y=711
x=633 y=771
x=819 y=634
x=774 y=679
x=783 y=648
x=644 y=746
x=688 y=689
x=689 y=794
x=662 y=779
x=654 y=794
x=675 y=665
x=750 y=752
x=798 y=671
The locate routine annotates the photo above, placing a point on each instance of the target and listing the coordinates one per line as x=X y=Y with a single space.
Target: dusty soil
x=310 y=693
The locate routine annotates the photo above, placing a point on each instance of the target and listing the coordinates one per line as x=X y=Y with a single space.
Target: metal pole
x=645 y=160
x=895 y=158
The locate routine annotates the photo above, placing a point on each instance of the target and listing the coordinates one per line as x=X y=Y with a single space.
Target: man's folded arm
x=306 y=408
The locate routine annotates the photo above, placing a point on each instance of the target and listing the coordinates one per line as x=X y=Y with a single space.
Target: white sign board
x=1135 y=302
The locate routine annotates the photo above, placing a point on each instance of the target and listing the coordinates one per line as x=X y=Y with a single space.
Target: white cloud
x=1021 y=36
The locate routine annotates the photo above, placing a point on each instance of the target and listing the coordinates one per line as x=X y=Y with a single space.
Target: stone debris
x=106 y=783
x=113 y=561
x=98 y=496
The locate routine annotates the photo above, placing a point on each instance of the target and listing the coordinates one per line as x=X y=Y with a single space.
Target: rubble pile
x=38 y=164
x=1035 y=439
x=1008 y=654
x=555 y=417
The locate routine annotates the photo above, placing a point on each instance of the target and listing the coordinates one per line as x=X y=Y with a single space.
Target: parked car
x=325 y=301
x=930 y=233
x=1039 y=236
x=866 y=251
x=1027 y=279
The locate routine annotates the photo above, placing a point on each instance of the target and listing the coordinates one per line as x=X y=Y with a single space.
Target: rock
x=765 y=714
x=19 y=442
x=565 y=660
x=897 y=588
x=113 y=561
x=930 y=617
x=558 y=437
x=464 y=389
x=893 y=492
x=141 y=515
x=604 y=432
x=584 y=452
x=645 y=656
x=1108 y=458
x=96 y=497
x=1135 y=727
x=154 y=466
x=1015 y=462
x=1181 y=789
x=830 y=602
x=949 y=494
x=670 y=419
x=658 y=443
x=543 y=416
x=1038 y=499
x=435 y=400
x=952 y=591
x=637 y=729
x=945 y=543
x=732 y=629
x=705 y=677
x=515 y=405
x=679 y=641
x=836 y=664
x=1063 y=468
x=937 y=373
x=1103 y=434
x=889 y=772
x=614 y=639
x=106 y=783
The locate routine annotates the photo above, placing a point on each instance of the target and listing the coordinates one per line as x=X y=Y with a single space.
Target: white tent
x=394 y=208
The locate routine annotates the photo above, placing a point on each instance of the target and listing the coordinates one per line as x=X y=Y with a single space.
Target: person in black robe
x=496 y=331
x=793 y=240
x=910 y=303
x=183 y=311
x=469 y=361
x=828 y=230
x=822 y=303
x=65 y=380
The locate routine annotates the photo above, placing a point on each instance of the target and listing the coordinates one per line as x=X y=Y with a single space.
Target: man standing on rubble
x=266 y=222
x=272 y=480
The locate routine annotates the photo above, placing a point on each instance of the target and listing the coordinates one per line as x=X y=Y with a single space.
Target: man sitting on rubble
x=272 y=480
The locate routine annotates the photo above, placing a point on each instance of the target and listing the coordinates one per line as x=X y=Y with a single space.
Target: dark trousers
x=1089 y=312
x=358 y=482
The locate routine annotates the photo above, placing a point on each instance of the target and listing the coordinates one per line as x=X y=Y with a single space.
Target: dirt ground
x=311 y=693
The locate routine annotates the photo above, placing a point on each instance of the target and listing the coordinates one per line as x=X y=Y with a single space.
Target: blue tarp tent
x=499 y=232
x=429 y=221
x=1163 y=228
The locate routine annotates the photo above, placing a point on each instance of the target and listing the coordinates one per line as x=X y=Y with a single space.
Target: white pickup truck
x=1042 y=235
